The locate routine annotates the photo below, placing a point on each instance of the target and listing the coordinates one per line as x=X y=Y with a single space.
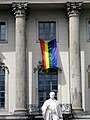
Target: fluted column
x=73 y=9
x=19 y=10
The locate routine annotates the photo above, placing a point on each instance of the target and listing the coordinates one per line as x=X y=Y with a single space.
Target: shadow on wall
x=2 y=57
x=63 y=57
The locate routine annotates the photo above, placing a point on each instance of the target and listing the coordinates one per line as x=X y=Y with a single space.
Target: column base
x=77 y=109
x=20 y=111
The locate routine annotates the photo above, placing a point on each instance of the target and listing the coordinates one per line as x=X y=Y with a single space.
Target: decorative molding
x=20 y=8
x=3 y=66
x=88 y=68
x=39 y=67
x=73 y=8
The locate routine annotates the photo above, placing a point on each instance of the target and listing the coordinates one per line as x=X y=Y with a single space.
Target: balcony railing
x=35 y=110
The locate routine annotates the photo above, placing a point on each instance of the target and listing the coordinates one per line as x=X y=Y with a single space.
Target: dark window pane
x=54 y=76
x=2 y=88
x=2 y=71
x=47 y=76
x=47 y=88
x=2 y=31
x=41 y=82
x=47 y=95
x=41 y=88
x=41 y=76
x=41 y=99
x=41 y=94
x=2 y=100
x=47 y=82
x=2 y=105
x=2 y=78
x=2 y=94
x=54 y=87
x=54 y=82
x=47 y=26
x=2 y=83
x=41 y=25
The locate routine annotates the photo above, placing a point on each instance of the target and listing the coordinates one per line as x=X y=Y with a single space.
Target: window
x=2 y=88
x=47 y=81
x=2 y=31
x=4 y=71
x=89 y=80
x=47 y=30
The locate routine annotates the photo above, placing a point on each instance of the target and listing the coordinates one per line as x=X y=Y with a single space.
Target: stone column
x=73 y=9
x=20 y=15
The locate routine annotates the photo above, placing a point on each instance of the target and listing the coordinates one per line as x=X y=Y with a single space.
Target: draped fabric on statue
x=51 y=110
x=49 y=54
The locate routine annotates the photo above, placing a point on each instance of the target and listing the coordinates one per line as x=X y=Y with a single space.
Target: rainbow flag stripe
x=49 y=54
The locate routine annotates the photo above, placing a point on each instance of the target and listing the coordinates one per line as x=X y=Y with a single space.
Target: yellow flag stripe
x=46 y=54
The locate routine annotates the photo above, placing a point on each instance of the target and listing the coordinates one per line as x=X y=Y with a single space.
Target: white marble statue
x=51 y=109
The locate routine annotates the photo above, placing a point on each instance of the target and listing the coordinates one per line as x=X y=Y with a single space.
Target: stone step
x=81 y=116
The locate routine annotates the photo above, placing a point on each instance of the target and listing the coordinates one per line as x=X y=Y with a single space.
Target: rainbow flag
x=49 y=54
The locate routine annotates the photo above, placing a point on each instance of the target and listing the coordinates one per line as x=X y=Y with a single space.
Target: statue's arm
x=44 y=109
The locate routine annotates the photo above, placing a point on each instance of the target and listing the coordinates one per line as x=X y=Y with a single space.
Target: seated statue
x=51 y=109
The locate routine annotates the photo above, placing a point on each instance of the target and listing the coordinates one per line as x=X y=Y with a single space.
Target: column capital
x=19 y=8
x=73 y=8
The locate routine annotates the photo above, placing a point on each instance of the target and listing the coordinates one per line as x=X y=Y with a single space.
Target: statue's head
x=52 y=95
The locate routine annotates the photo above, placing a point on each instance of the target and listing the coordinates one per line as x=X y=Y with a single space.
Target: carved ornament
x=73 y=8
x=20 y=9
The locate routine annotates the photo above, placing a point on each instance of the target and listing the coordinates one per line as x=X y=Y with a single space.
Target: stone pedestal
x=74 y=50
x=20 y=13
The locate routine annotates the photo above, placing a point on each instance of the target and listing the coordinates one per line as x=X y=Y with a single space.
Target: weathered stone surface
x=19 y=11
x=74 y=45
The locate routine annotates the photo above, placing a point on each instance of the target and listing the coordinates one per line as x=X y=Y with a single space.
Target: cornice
x=39 y=1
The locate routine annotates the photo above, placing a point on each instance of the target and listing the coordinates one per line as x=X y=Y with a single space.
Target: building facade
x=22 y=80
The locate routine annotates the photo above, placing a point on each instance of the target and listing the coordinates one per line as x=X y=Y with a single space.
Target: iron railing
x=35 y=110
